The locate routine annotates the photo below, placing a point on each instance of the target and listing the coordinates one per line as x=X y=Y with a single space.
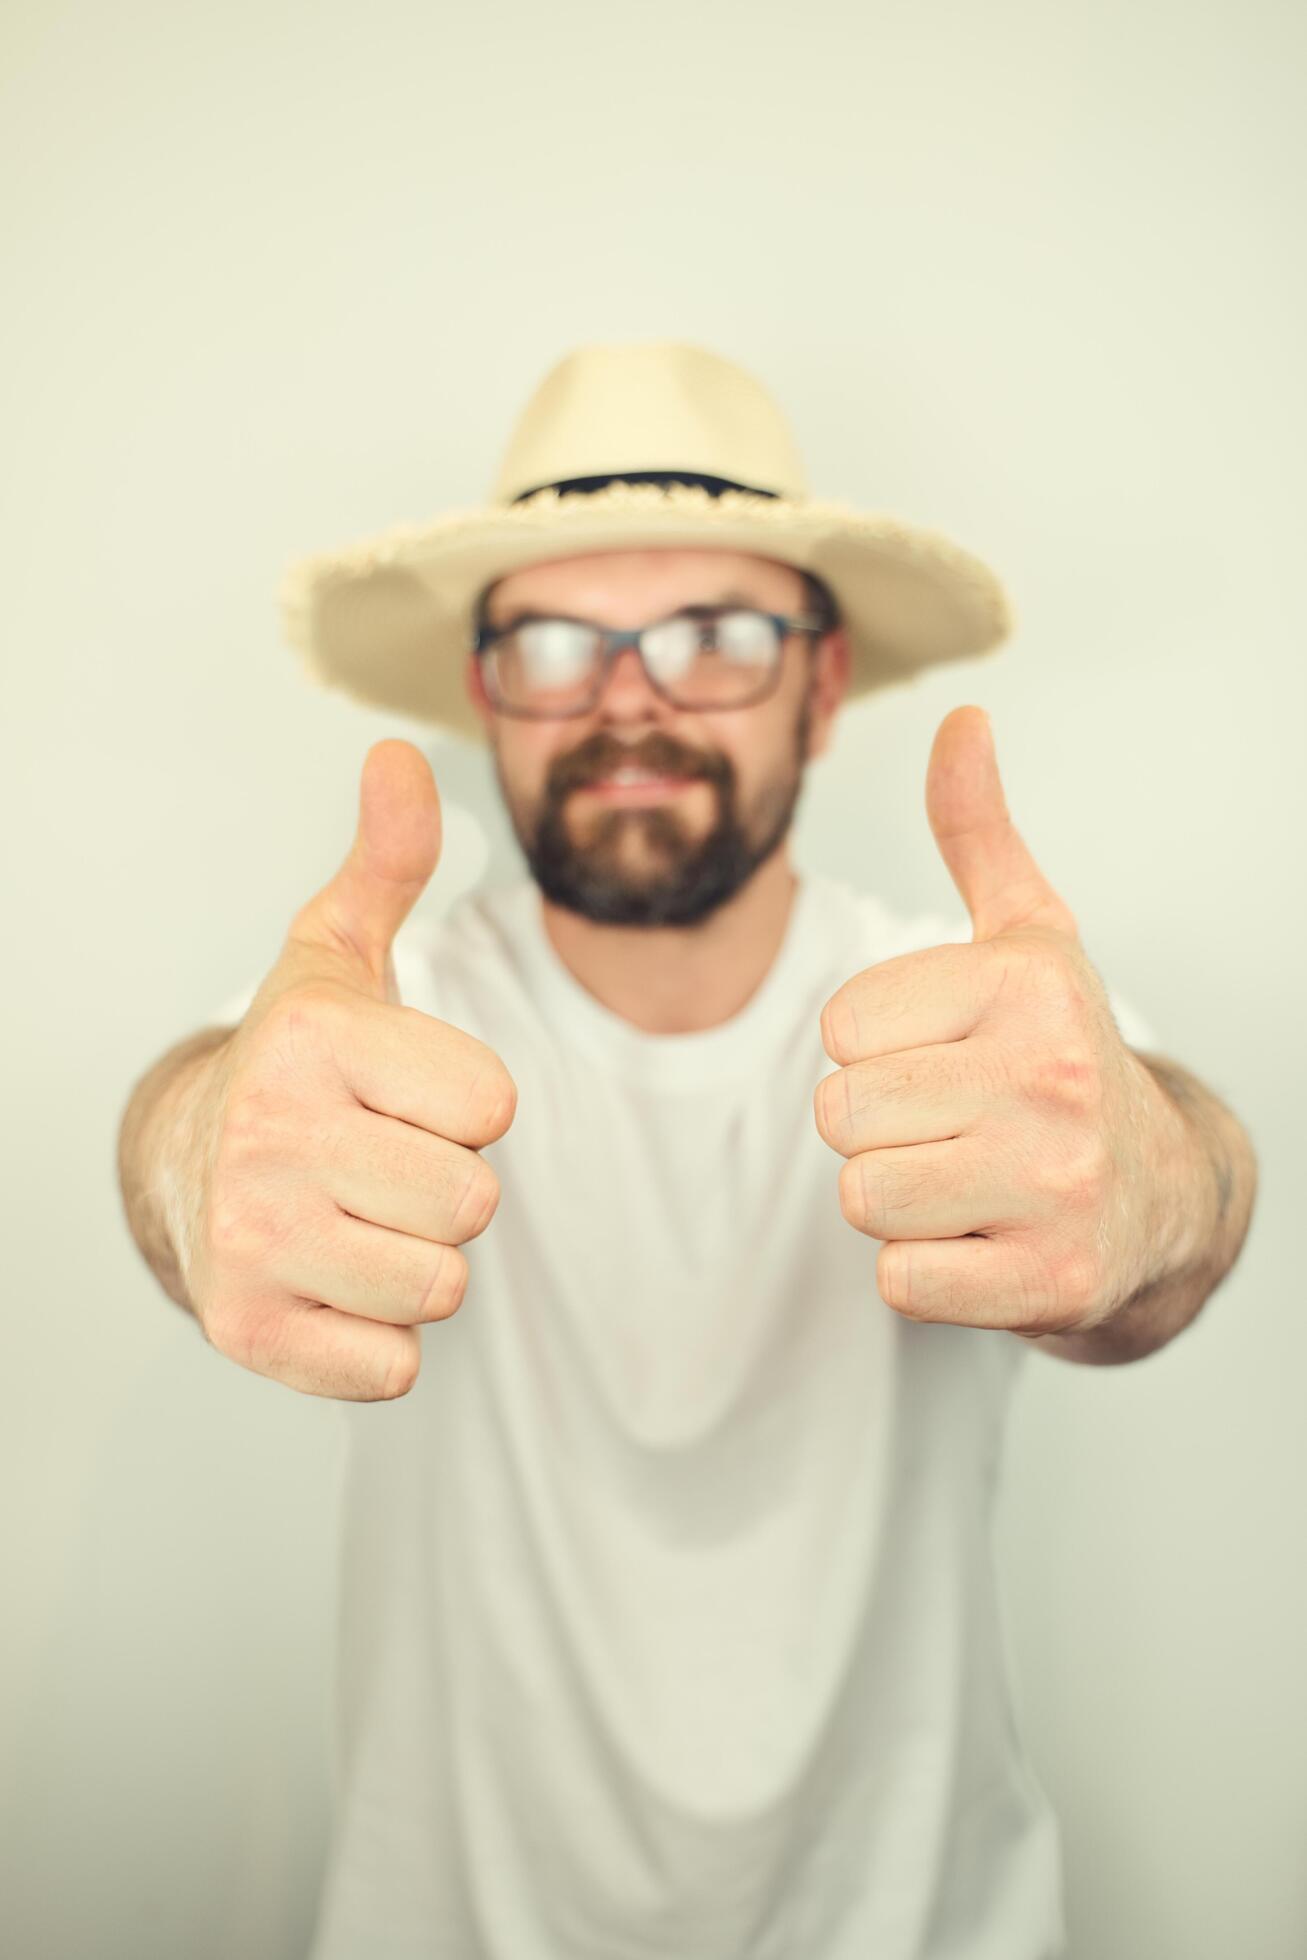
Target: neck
x=681 y=979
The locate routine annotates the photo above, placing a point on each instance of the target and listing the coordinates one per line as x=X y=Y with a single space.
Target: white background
x=280 y=276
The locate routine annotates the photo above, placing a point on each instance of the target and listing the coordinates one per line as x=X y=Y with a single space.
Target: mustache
x=601 y=756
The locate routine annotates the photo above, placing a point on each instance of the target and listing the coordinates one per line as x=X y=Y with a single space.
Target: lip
x=652 y=790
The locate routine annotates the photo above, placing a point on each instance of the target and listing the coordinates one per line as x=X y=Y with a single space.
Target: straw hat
x=389 y=620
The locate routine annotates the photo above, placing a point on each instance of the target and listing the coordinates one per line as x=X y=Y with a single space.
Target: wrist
x=1185 y=1201
x=176 y=1143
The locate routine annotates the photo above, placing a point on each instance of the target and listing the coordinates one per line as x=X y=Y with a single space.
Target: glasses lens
x=716 y=662
x=549 y=666
x=546 y=665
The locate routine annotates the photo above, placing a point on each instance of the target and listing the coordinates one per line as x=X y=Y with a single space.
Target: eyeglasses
x=705 y=657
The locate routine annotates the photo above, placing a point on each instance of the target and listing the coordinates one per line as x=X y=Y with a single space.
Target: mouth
x=635 y=786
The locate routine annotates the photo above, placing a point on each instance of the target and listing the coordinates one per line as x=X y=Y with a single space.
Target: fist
x=1001 y=1139
x=330 y=1149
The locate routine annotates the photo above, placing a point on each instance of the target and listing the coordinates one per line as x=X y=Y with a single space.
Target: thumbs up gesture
x=1001 y=1139
x=329 y=1152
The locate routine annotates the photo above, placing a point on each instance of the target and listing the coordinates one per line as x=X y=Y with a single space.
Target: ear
x=831 y=661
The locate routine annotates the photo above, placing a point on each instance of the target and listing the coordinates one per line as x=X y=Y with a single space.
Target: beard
x=679 y=878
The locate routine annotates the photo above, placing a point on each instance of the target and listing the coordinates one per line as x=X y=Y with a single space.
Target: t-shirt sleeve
x=235 y=1007
x=1136 y=1032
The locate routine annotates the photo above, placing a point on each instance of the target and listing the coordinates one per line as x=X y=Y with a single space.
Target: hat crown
x=612 y=408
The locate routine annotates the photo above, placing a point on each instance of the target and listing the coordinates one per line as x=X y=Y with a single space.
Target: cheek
x=524 y=759
x=758 y=754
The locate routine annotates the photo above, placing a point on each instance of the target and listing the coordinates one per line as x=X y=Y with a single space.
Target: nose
x=628 y=694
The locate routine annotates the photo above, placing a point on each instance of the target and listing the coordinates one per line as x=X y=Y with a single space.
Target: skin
x=1022 y=1168
x=666 y=977
x=671 y=912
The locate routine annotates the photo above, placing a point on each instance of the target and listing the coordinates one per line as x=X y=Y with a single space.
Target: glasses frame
x=614 y=639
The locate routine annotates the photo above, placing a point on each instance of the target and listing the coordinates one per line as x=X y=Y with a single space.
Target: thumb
x=395 y=850
x=1000 y=883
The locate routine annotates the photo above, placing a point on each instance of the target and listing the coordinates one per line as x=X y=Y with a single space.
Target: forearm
x=161 y=1101
x=1208 y=1179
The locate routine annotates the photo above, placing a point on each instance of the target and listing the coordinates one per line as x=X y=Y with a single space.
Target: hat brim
x=388 y=621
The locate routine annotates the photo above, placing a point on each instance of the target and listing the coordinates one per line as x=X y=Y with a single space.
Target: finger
x=1001 y=885
x=930 y=1191
x=359 y=1268
x=976 y=1282
x=348 y=927
x=394 y=1174
x=402 y=1063
x=322 y=1352
x=923 y=1095
x=914 y=1000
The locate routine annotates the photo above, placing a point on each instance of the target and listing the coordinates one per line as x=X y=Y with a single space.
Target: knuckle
x=1039 y=959
x=1044 y=974
x=502 y=1104
x=214 y=1316
x=304 y=1014
x=1074 y=1173
x=851 y=1098
x=249 y=1338
x=246 y=1232
x=853 y=1192
x=403 y=1371
x=477 y=1201
x=491 y=1101
x=236 y=1231
x=831 y=1108
x=250 y=1129
x=839 y=1028
x=1066 y=1080
x=448 y=1284
x=891 y=1280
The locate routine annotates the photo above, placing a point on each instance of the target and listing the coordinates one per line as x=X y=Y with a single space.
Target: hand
x=1000 y=1136
x=331 y=1149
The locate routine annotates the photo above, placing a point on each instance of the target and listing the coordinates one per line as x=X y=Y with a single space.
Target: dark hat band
x=713 y=484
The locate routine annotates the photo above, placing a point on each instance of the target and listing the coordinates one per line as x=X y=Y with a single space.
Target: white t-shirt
x=668 y=1621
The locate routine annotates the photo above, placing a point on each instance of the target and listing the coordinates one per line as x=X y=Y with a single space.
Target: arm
x=1210 y=1183
x=162 y=1099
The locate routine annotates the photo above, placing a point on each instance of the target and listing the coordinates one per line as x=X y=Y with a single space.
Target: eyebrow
x=520 y=614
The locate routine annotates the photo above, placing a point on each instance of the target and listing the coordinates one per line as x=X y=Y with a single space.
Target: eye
x=673 y=644
x=748 y=638
x=553 y=651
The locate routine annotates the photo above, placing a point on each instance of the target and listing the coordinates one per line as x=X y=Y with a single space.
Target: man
x=669 y=1626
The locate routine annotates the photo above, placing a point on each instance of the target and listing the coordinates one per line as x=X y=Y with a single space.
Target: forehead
x=611 y=585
